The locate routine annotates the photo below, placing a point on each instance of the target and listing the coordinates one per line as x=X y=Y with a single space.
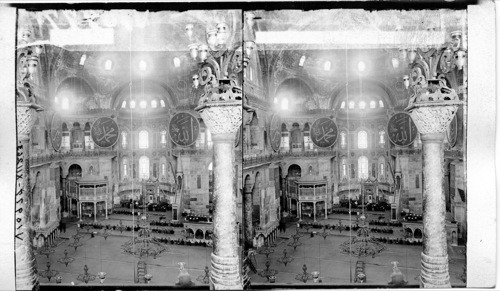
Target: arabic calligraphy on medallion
x=56 y=132
x=401 y=129
x=324 y=132
x=275 y=132
x=104 y=132
x=184 y=129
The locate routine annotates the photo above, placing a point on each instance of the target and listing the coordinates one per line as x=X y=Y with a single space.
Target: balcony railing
x=70 y=154
x=191 y=152
x=259 y=159
x=396 y=152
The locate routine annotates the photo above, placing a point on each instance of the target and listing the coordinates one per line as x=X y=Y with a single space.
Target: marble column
x=314 y=211
x=248 y=203
x=432 y=121
x=223 y=118
x=299 y=210
x=26 y=274
x=106 y=209
x=95 y=211
x=326 y=210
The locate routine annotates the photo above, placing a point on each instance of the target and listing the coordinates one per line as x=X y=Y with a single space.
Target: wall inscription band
x=324 y=132
x=184 y=129
x=104 y=132
x=401 y=129
x=275 y=132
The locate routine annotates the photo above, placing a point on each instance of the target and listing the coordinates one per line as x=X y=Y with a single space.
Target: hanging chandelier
x=362 y=245
x=285 y=259
x=86 y=276
x=48 y=273
x=66 y=260
x=143 y=245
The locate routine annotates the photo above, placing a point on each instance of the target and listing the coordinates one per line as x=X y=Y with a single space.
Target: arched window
x=362 y=104
x=417 y=181
x=302 y=61
x=351 y=104
x=327 y=66
x=154 y=104
x=362 y=140
x=163 y=170
x=342 y=105
x=144 y=167
x=143 y=139
x=163 y=138
x=380 y=103
x=162 y=103
x=381 y=140
x=285 y=138
x=363 y=167
x=344 y=168
x=284 y=104
x=132 y=104
x=343 y=140
x=125 y=168
x=124 y=104
x=65 y=143
x=373 y=104
x=124 y=139
x=65 y=103
x=89 y=143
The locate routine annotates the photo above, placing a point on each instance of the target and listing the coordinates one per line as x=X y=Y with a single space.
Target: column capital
x=222 y=117
x=433 y=119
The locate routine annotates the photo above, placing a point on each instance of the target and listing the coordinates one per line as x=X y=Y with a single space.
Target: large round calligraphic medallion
x=401 y=129
x=184 y=129
x=275 y=132
x=452 y=132
x=324 y=132
x=56 y=131
x=104 y=132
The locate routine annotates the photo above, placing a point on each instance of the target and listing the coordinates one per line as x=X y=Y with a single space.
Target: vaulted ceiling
x=293 y=46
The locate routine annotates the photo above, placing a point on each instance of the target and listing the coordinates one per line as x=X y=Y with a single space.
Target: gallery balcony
x=54 y=157
x=252 y=160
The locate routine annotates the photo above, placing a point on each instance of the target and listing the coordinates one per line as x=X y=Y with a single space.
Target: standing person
x=64 y=227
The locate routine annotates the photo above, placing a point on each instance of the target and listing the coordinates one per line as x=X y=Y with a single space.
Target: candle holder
x=268 y=272
x=46 y=250
x=105 y=234
x=86 y=277
x=304 y=276
x=66 y=260
x=48 y=273
x=285 y=259
x=324 y=234
x=75 y=244
x=295 y=243
x=266 y=251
